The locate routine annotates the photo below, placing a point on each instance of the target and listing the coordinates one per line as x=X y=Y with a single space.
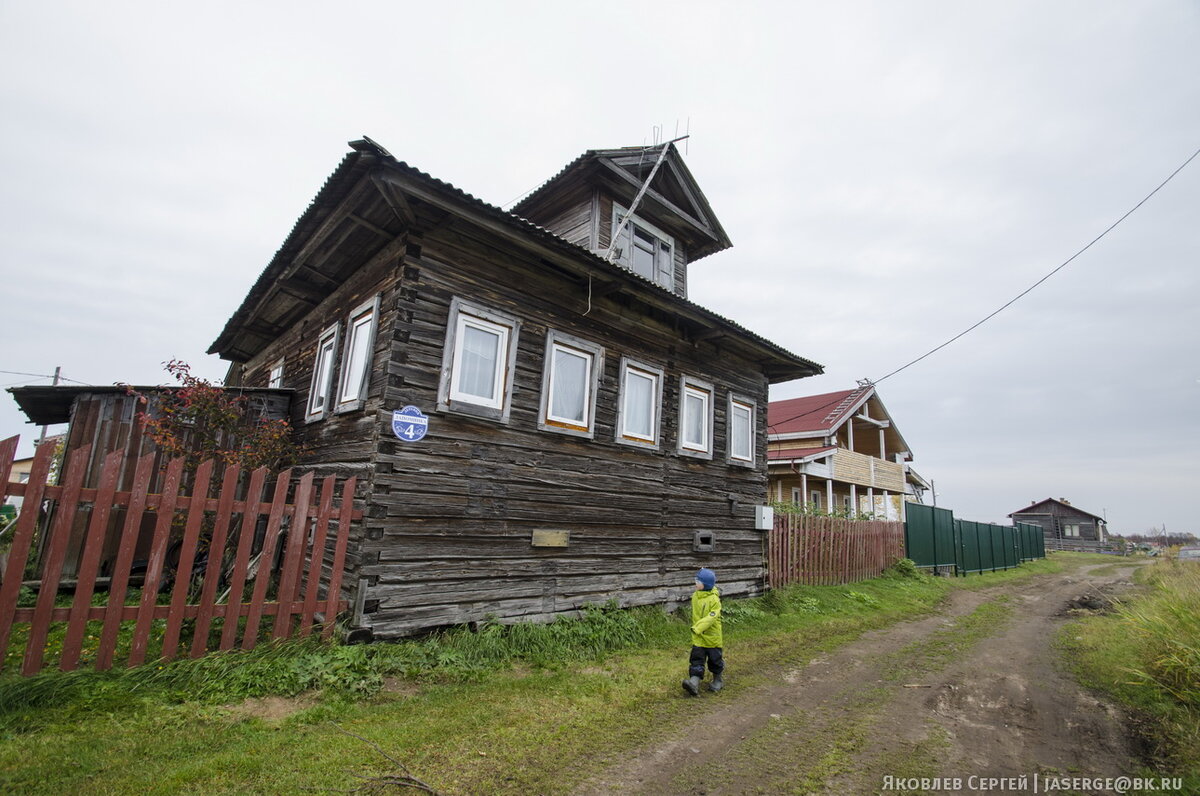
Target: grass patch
x=502 y=709
x=1147 y=656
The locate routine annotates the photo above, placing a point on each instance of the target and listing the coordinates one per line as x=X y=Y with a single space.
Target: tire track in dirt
x=836 y=724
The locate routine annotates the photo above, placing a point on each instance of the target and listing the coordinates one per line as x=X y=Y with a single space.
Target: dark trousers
x=716 y=664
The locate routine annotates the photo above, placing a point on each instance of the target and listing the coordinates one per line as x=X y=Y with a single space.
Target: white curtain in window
x=480 y=349
x=569 y=385
x=639 y=405
x=740 y=432
x=694 y=425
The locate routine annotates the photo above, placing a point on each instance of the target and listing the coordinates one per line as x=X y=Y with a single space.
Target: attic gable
x=672 y=201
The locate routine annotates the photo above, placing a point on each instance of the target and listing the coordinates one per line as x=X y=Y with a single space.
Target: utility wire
x=1012 y=301
x=43 y=376
x=1063 y=265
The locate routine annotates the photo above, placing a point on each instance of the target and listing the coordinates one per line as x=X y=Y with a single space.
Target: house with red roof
x=840 y=452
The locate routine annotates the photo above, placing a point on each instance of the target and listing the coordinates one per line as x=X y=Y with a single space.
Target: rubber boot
x=692 y=685
x=717 y=684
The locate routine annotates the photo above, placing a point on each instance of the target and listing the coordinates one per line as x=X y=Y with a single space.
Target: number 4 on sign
x=410 y=424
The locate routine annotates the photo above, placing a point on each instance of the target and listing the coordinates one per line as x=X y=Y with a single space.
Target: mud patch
x=272 y=708
x=1090 y=603
x=400 y=686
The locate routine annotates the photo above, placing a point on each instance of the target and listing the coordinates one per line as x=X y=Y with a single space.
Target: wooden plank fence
x=231 y=540
x=824 y=551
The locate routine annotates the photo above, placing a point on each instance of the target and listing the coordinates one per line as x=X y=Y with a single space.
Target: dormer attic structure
x=671 y=225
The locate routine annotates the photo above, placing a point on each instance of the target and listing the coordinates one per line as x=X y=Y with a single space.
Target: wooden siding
x=862 y=470
x=1053 y=516
x=106 y=422
x=343 y=440
x=451 y=518
x=573 y=223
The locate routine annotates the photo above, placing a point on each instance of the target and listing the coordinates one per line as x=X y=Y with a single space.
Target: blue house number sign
x=409 y=424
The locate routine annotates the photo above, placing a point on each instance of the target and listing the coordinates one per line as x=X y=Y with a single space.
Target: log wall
x=450 y=529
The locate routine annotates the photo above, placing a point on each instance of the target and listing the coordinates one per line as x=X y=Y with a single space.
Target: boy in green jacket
x=706 y=634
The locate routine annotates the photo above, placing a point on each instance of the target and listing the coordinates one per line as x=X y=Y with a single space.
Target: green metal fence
x=934 y=539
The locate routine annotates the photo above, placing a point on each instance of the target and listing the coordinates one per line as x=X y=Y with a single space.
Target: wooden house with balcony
x=840 y=452
x=538 y=416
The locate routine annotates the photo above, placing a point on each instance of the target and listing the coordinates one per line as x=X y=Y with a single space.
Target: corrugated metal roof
x=351 y=167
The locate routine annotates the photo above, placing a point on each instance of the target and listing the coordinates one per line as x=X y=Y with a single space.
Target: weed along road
x=977 y=689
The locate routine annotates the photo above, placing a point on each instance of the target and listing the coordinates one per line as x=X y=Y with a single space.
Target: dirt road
x=974 y=690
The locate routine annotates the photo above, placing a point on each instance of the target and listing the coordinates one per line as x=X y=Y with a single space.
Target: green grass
x=1147 y=656
x=506 y=709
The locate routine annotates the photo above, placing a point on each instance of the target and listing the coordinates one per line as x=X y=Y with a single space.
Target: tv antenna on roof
x=616 y=233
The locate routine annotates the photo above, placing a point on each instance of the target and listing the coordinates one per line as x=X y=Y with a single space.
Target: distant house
x=1062 y=521
x=840 y=451
x=538 y=415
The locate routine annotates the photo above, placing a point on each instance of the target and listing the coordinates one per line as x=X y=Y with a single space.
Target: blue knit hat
x=707 y=577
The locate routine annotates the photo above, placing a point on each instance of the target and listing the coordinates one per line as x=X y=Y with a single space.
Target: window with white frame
x=1071 y=530
x=570 y=378
x=638 y=411
x=356 y=359
x=846 y=504
x=645 y=249
x=815 y=499
x=695 y=418
x=477 y=361
x=275 y=375
x=741 y=431
x=320 y=392
x=797 y=496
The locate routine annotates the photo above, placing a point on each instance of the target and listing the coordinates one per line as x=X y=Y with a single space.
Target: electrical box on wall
x=764 y=518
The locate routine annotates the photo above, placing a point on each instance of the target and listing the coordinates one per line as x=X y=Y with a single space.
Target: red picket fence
x=827 y=551
x=234 y=539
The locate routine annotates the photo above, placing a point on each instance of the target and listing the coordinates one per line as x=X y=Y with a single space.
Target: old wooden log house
x=539 y=417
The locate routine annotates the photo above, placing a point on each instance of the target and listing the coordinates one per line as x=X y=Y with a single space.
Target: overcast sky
x=889 y=172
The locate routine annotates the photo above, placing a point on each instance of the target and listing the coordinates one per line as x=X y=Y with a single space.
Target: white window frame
x=797 y=496
x=693 y=387
x=751 y=408
x=664 y=277
x=594 y=356
x=623 y=435
x=508 y=329
x=815 y=494
x=320 y=392
x=352 y=386
x=847 y=503
x=1071 y=529
x=275 y=375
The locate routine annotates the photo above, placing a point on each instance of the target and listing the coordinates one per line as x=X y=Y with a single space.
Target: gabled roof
x=673 y=200
x=1030 y=509
x=815 y=414
x=313 y=261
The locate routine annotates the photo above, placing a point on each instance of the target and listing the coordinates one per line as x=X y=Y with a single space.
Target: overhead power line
x=1014 y=299
x=42 y=376
x=1061 y=266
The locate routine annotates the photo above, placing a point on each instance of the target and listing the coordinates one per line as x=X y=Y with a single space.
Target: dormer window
x=645 y=249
